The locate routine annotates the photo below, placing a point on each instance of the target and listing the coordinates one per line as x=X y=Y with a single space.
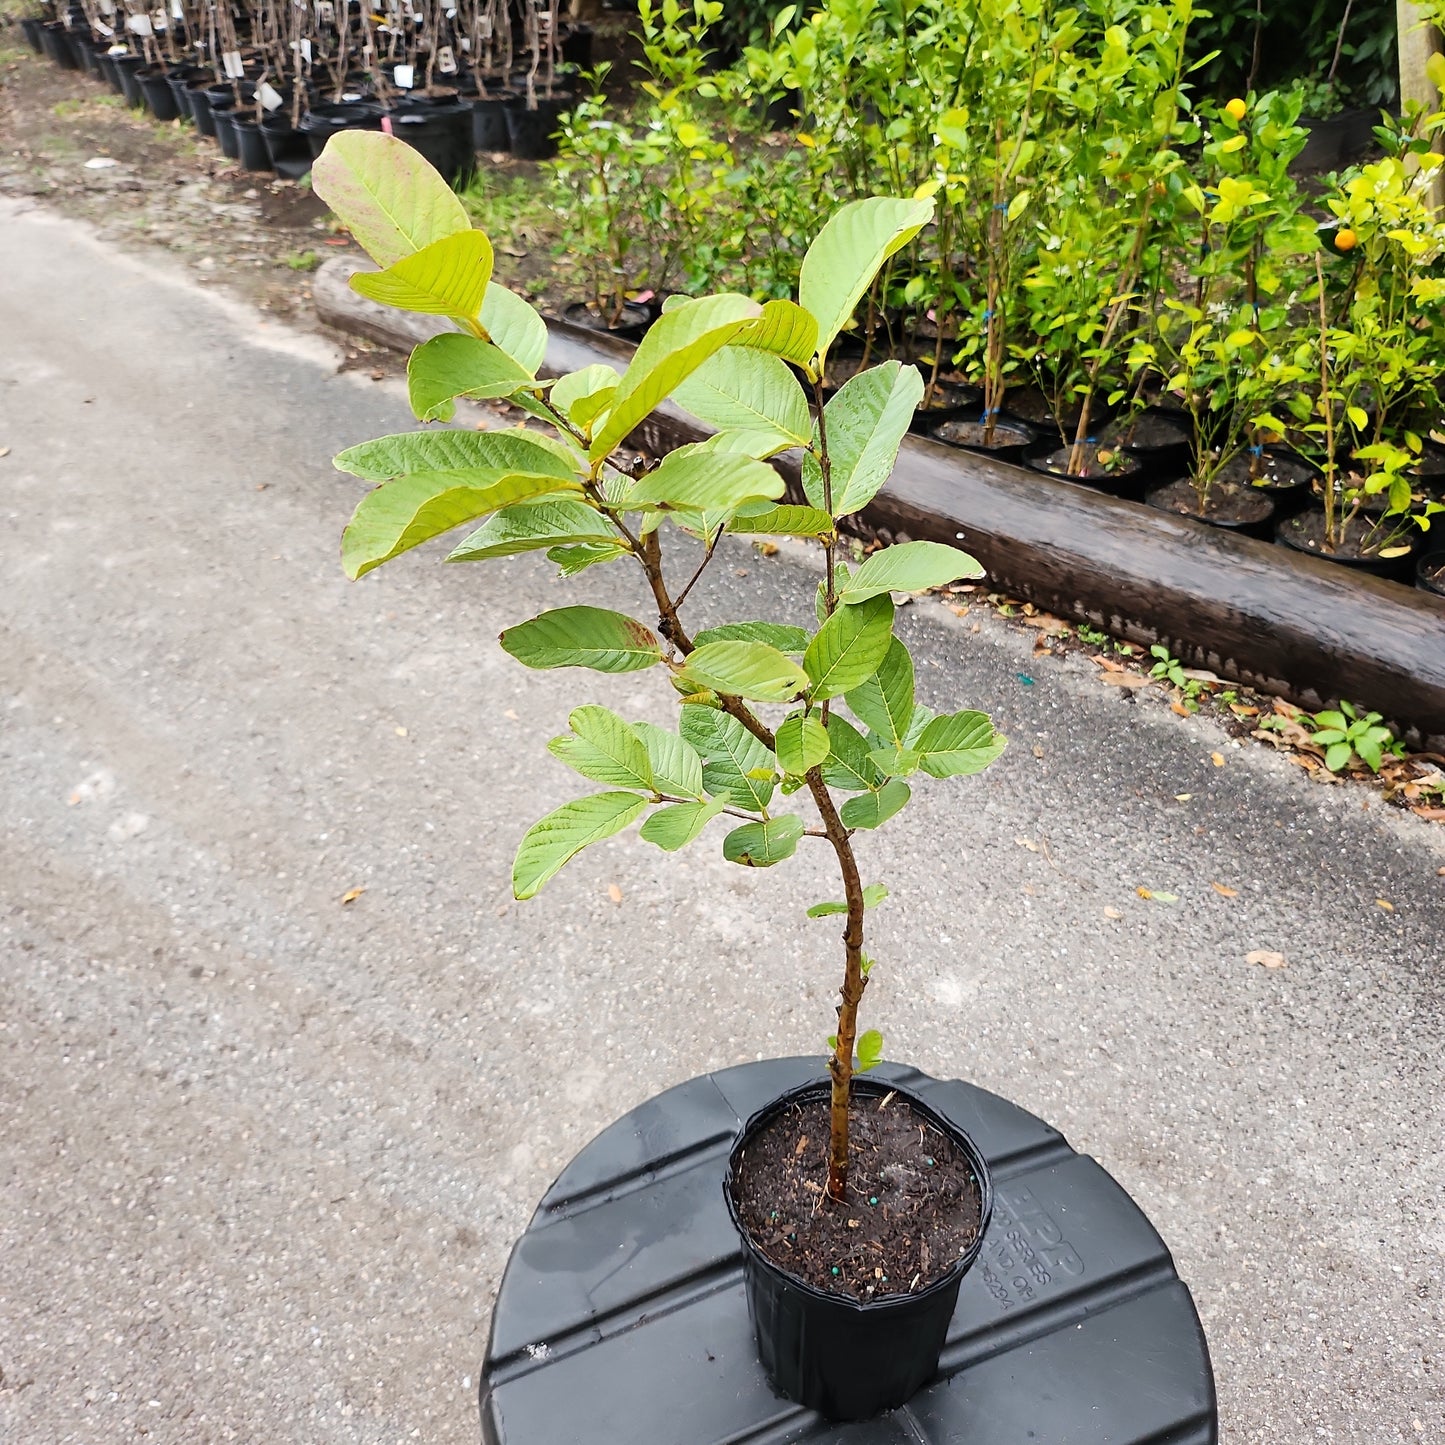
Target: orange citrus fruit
x=1345 y=239
x=1236 y=109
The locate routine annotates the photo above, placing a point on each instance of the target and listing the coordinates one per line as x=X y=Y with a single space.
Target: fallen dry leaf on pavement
x=1217 y=759
x=1027 y=843
x=1112 y=913
x=1154 y=897
x=1224 y=892
x=1177 y=706
x=1385 y=904
x=1266 y=959
x=1125 y=679
x=614 y=893
x=1182 y=797
x=352 y=894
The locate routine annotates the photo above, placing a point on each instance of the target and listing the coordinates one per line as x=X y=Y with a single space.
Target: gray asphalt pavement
x=263 y=1152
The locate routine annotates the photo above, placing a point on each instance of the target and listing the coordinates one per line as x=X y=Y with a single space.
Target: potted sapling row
x=859 y=1207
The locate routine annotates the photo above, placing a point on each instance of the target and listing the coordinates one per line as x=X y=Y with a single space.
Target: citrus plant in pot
x=859 y=1208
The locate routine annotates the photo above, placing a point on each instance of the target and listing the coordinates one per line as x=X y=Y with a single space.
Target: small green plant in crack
x=1169 y=669
x=302 y=260
x=1094 y=636
x=1346 y=733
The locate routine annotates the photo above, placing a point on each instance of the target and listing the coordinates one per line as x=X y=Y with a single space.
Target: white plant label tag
x=465 y=43
x=178 y=9
x=139 y=24
x=104 y=28
x=107 y=7
x=233 y=65
x=446 y=61
x=306 y=51
x=328 y=12
x=271 y=99
x=404 y=76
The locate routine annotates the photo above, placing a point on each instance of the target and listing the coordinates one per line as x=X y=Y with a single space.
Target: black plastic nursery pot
x=160 y=99
x=1246 y=511
x=32 y=27
x=128 y=68
x=1430 y=573
x=441 y=129
x=1012 y=437
x=849 y=1360
x=287 y=148
x=180 y=78
x=1305 y=531
x=1106 y=469
x=86 y=52
x=250 y=143
x=199 y=98
x=223 y=118
x=630 y=325
x=329 y=118
x=533 y=132
x=55 y=41
x=490 y=133
x=105 y=69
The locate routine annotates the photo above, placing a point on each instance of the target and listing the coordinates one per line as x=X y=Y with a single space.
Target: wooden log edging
x=1266 y=616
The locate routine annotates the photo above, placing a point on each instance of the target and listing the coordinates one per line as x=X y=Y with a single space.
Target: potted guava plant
x=859 y=1208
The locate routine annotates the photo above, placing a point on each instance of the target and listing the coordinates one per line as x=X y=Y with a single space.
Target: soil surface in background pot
x=1098 y=463
x=972 y=433
x=913 y=1203
x=1278 y=471
x=1432 y=574
x=1228 y=504
x=1148 y=432
x=1362 y=541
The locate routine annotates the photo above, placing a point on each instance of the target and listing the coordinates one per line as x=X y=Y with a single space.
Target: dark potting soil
x=1030 y=403
x=1432 y=575
x=1098 y=463
x=1362 y=541
x=1227 y=502
x=913 y=1203
x=1148 y=432
x=971 y=434
x=947 y=396
x=1276 y=470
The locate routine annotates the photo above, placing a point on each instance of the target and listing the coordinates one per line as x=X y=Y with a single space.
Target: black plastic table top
x=621 y=1319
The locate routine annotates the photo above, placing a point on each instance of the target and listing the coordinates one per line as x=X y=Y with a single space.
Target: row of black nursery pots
x=447 y=125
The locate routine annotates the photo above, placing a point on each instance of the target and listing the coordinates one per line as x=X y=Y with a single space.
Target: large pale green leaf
x=957 y=744
x=578 y=557
x=744 y=669
x=786 y=330
x=750 y=392
x=554 y=840
x=885 y=702
x=440 y=450
x=867 y=421
x=678 y=824
x=533 y=527
x=731 y=756
x=909 y=567
x=514 y=327
x=802 y=744
x=844 y=258
x=873 y=810
x=453 y=365
x=603 y=747
x=692 y=479
x=410 y=510
x=677 y=343
x=776 y=634
x=676 y=766
x=447 y=278
x=591 y=387
x=849 y=647
x=583 y=637
x=785 y=521
x=848 y=765
x=382 y=190
x=760 y=845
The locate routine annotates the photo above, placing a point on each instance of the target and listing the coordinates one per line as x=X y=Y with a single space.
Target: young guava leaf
x=870 y=1050
x=676 y=825
x=873 y=895
x=552 y=841
x=867 y=420
x=410 y=510
x=802 y=743
x=885 y=702
x=750 y=392
x=583 y=637
x=873 y=810
x=744 y=669
x=957 y=744
x=573 y=558
x=453 y=365
x=848 y=765
x=784 y=329
x=386 y=194
x=847 y=253
x=447 y=278
x=447 y=450
x=676 y=344
x=533 y=528
x=760 y=845
x=735 y=765
x=909 y=567
x=676 y=766
x=514 y=327
x=849 y=648
x=785 y=521
x=603 y=747
x=583 y=386
x=704 y=480
x=775 y=634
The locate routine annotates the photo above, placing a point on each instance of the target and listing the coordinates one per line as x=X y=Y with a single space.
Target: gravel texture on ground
x=263 y=1151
